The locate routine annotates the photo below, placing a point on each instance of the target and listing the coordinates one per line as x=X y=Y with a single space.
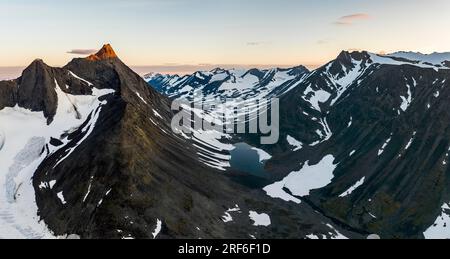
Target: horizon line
x=14 y=71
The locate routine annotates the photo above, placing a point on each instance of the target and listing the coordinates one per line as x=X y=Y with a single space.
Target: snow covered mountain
x=437 y=59
x=87 y=151
x=224 y=83
x=364 y=141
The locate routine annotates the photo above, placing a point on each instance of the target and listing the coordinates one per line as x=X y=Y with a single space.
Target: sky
x=181 y=36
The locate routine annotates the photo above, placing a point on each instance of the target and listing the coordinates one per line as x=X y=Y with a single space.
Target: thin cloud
x=257 y=43
x=352 y=19
x=82 y=51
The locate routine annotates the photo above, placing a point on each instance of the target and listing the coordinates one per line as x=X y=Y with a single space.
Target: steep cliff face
x=8 y=92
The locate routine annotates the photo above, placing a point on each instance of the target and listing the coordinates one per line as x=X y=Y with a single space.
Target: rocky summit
x=106 y=52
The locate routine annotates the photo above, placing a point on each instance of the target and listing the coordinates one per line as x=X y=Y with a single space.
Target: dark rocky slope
x=406 y=182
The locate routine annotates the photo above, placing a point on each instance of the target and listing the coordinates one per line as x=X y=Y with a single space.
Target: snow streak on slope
x=353 y=188
x=343 y=83
x=381 y=150
x=294 y=143
x=22 y=153
x=157 y=229
x=406 y=101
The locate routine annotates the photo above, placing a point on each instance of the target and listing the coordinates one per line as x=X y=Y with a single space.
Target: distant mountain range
x=87 y=151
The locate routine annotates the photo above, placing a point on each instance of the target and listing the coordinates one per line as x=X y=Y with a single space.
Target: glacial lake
x=247 y=159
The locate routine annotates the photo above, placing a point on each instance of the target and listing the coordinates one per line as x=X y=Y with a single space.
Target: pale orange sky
x=185 y=35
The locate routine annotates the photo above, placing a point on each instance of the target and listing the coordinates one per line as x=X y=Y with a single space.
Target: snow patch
x=312 y=237
x=260 y=219
x=295 y=143
x=335 y=234
x=441 y=227
x=276 y=190
x=300 y=183
x=316 y=97
x=406 y=101
x=227 y=216
x=218 y=77
x=61 y=197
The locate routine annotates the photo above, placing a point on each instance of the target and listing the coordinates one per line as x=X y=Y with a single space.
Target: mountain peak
x=357 y=55
x=298 y=70
x=38 y=62
x=106 y=52
x=37 y=66
x=218 y=70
